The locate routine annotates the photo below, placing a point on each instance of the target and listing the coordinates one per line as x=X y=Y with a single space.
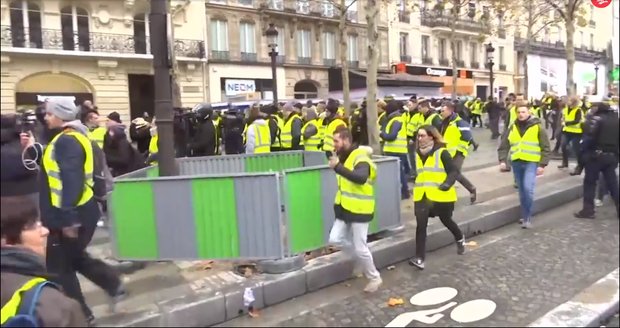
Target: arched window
x=25 y=24
x=305 y=90
x=75 y=28
x=141 y=34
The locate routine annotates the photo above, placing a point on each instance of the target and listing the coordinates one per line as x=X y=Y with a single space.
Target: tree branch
x=542 y=27
x=557 y=9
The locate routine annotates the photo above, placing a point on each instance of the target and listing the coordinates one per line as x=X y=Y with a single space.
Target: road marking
x=473 y=311
x=433 y=296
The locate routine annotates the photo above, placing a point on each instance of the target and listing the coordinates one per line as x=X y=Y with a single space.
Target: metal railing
x=502 y=67
x=353 y=63
x=474 y=65
x=329 y=62
x=52 y=39
x=304 y=60
x=444 y=62
x=445 y=19
x=404 y=17
x=405 y=58
x=427 y=60
x=249 y=57
x=219 y=55
x=460 y=63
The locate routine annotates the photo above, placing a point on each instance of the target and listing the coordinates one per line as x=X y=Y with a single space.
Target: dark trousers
x=420 y=230
x=67 y=256
x=606 y=164
x=476 y=118
x=572 y=140
x=494 y=126
x=404 y=170
x=458 y=160
x=558 y=142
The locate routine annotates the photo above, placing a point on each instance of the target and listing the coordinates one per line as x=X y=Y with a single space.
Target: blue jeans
x=525 y=176
x=404 y=170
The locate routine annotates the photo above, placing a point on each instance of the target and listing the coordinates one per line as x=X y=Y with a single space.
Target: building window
x=560 y=34
x=328 y=9
x=352 y=11
x=501 y=56
x=303 y=7
x=75 y=28
x=591 y=41
x=276 y=4
x=141 y=34
x=329 y=45
x=473 y=52
x=425 y=45
x=219 y=39
x=281 y=43
x=404 y=42
x=546 y=35
x=582 y=39
x=442 y=49
x=423 y=5
x=25 y=24
x=247 y=38
x=304 y=45
x=352 y=50
x=459 y=50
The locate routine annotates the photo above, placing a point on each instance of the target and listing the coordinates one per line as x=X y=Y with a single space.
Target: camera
x=26 y=120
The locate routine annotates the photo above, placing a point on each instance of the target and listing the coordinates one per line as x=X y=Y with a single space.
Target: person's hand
x=70 y=232
x=502 y=166
x=333 y=161
x=444 y=187
x=26 y=139
x=540 y=171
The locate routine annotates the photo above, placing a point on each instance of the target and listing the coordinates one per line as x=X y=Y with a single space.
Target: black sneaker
x=563 y=166
x=121 y=294
x=417 y=262
x=583 y=215
x=90 y=320
x=460 y=247
x=473 y=196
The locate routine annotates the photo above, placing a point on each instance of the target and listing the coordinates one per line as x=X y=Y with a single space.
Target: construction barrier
x=264 y=206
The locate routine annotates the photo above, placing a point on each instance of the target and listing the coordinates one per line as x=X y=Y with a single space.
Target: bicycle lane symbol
x=470 y=311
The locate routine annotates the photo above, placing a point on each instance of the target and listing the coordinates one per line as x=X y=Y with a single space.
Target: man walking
x=354 y=204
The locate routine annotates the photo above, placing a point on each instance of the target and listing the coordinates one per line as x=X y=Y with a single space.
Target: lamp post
x=272 y=42
x=490 y=63
x=596 y=63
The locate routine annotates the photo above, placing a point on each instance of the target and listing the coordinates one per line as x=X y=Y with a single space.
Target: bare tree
x=571 y=14
x=372 y=22
x=343 y=8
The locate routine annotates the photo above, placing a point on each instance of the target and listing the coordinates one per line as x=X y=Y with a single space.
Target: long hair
x=433 y=132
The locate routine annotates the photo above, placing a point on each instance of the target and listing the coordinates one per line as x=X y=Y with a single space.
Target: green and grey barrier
x=266 y=206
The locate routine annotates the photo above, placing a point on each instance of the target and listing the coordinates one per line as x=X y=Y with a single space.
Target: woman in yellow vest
x=528 y=146
x=310 y=131
x=24 y=241
x=573 y=119
x=433 y=190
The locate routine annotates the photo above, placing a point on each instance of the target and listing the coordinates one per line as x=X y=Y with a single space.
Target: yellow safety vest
x=11 y=307
x=286 y=136
x=356 y=112
x=321 y=127
x=262 y=137
x=53 y=170
x=569 y=115
x=153 y=147
x=535 y=111
x=430 y=175
x=512 y=114
x=429 y=119
x=477 y=108
x=468 y=104
x=276 y=142
x=97 y=135
x=526 y=147
x=353 y=197
x=245 y=133
x=312 y=143
x=398 y=145
x=452 y=137
x=328 y=142
x=412 y=124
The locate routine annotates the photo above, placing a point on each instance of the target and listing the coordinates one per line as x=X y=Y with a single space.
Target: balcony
x=329 y=62
x=427 y=60
x=304 y=60
x=354 y=64
x=249 y=3
x=51 y=39
x=352 y=16
x=444 y=20
x=249 y=57
x=502 y=67
x=557 y=50
x=592 y=24
x=444 y=62
x=501 y=33
x=403 y=16
x=405 y=59
x=474 y=64
x=460 y=63
x=280 y=59
x=220 y=55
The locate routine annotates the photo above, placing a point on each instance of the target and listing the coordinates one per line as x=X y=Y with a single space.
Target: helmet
x=203 y=111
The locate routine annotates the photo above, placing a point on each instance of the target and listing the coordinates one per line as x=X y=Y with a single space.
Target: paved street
x=525 y=273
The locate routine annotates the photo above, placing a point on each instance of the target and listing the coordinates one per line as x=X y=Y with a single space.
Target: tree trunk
x=372 y=13
x=570 y=56
x=526 y=52
x=174 y=83
x=342 y=38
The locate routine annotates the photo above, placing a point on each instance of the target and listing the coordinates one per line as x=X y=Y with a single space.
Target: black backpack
x=26 y=316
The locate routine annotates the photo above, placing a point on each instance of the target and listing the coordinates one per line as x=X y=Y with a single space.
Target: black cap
x=114 y=116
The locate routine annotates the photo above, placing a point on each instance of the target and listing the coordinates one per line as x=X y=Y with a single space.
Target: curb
x=206 y=309
x=582 y=310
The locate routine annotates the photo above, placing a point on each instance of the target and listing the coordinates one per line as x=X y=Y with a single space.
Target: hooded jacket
x=54 y=309
x=16 y=179
x=545 y=146
x=120 y=155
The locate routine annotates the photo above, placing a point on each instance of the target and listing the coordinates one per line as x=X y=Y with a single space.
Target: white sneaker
x=598 y=202
x=358 y=272
x=100 y=224
x=373 y=285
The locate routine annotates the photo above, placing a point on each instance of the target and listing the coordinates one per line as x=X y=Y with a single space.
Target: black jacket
x=204 y=142
x=359 y=175
x=141 y=136
x=120 y=154
x=601 y=132
x=16 y=179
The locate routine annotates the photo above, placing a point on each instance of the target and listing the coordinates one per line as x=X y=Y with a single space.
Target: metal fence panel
x=314 y=158
x=211 y=165
x=387 y=195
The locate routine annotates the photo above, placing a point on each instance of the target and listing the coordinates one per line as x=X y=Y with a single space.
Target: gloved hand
x=444 y=187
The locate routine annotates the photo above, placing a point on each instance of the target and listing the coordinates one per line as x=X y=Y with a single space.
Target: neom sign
x=237 y=87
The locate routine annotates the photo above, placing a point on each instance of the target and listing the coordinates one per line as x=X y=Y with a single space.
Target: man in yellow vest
x=394 y=136
x=69 y=209
x=331 y=122
x=310 y=131
x=276 y=124
x=96 y=132
x=527 y=147
x=354 y=205
x=429 y=115
x=290 y=136
x=572 y=118
x=476 y=113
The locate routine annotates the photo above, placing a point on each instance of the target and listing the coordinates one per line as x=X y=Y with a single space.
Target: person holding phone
x=17 y=179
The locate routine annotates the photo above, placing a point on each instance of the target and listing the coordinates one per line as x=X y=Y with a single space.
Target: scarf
x=426 y=148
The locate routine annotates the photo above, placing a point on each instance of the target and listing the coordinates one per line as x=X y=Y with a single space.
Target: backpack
x=102 y=177
x=26 y=316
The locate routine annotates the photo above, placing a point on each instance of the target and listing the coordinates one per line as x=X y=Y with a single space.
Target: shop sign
x=237 y=87
x=436 y=72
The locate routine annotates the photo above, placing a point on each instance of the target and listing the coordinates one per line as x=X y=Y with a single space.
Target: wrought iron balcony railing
x=304 y=60
x=444 y=62
x=502 y=67
x=249 y=57
x=460 y=63
x=445 y=19
x=353 y=64
x=427 y=60
x=51 y=39
x=405 y=59
x=474 y=64
x=329 y=62
x=219 y=55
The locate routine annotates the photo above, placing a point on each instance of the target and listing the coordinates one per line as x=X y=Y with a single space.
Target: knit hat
x=114 y=116
x=62 y=108
x=332 y=106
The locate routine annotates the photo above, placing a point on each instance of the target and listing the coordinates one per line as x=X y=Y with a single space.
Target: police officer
x=204 y=141
x=600 y=147
x=233 y=131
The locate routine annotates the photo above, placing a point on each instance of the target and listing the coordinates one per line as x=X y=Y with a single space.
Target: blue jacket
x=394 y=129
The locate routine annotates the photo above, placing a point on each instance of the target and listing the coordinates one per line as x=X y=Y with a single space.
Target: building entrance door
x=141 y=95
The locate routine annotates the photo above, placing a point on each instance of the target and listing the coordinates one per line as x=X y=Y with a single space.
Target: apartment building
x=420 y=38
x=97 y=50
x=546 y=62
x=308 y=46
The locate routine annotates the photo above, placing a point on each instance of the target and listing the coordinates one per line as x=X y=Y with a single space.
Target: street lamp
x=272 y=42
x=597 y=60
x=490 y=63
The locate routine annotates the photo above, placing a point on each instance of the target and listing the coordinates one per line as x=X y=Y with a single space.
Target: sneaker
x=121 y=294
x=521 y=221
x=460 y=247
x=417 y=262
x=598 y=202
x=90 y=320
x=373 y=285
x=473 y=196
x=583 y=215
x=100 y=223
x=526 y=225
x=357 y=271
